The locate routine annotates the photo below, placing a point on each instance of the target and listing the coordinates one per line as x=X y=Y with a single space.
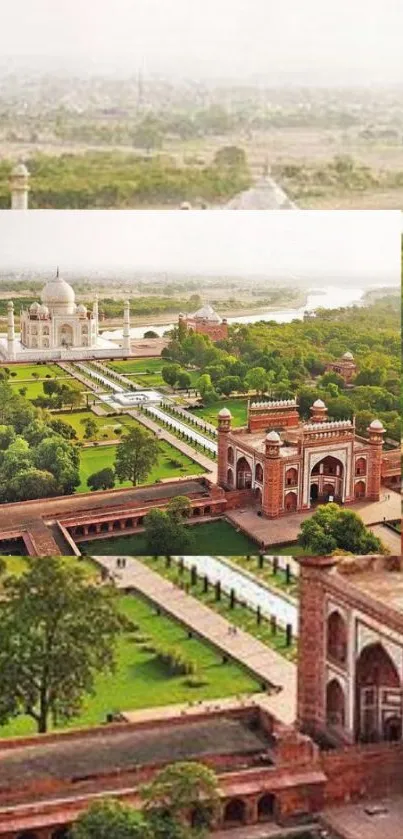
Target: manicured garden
x=31 y=390
x=213 y=537
x=238 y=408
x=28 y=372
x=141 y=680
x=171 y=464
x=108 y=428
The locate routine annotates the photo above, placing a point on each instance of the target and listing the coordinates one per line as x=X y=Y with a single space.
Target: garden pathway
x=269 y=666
x=185 y=448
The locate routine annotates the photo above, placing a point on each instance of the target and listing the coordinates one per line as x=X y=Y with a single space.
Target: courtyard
x=171 y=464
x=217 y=537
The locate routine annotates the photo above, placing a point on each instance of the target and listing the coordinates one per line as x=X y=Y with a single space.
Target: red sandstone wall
x=273 y=419
x=363 y=771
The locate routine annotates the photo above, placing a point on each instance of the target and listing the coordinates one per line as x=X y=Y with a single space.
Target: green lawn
x=238 y=408
x=146 y=371
x=141 y=682
x=35 y=389
x=214 y=537
x=137 y=365
x=172 y=464
x=29 y=371
x=32 y=389
x=108 y=428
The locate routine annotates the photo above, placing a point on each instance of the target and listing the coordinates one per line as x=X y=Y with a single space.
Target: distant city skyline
x=312 y=42
x=317 y=246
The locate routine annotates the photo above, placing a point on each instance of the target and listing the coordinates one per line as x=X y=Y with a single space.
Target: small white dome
x=43 y=310
x=348 y=356
x=225 y=413
x=273 y=437
x=20 y=170
x=319 y=404
x=186 y=205
x=376 y=425
x=34 y=307
x=81 y=309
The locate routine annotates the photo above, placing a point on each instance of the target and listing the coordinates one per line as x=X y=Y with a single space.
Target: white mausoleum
x=58 y=328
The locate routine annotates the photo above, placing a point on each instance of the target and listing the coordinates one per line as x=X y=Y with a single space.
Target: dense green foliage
x=165 y=533
x=58 y=631
x=118 y=179
x=282 y=360
x=36 y=461
x=332 y=528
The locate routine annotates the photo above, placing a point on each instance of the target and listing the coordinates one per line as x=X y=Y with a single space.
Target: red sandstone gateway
x=289 y=464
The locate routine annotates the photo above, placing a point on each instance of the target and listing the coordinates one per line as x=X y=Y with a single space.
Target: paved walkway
x=352 y=822
x=390 y=539
x=163 y=434
x=286 y=528
x=265 y=663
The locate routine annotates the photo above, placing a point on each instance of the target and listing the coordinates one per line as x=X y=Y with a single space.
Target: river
x=330 y=297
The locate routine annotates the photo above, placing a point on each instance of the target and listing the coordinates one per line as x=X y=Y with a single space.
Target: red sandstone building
x=207 y=322
x=344 y=367
x=289 y=464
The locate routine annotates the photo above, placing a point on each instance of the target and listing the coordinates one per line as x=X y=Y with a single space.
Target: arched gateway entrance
x=327 y=481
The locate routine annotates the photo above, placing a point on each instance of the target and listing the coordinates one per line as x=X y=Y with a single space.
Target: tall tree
x=58 y=630
x=136 y=455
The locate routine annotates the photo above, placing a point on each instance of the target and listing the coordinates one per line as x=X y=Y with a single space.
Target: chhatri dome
x=59 y=296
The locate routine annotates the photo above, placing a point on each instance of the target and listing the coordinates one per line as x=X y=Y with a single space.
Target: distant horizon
x=338 y=42
x=285 y=246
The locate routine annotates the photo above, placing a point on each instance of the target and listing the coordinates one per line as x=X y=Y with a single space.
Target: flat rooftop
x=78 y=758
x=256 y=440
x=379 y=577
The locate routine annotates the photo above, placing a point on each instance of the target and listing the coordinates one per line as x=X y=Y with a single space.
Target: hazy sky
x=322 y=40
x=319 y=246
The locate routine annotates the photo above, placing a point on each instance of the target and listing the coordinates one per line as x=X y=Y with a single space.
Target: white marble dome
x=348 y=356
x=59 y=296
x=34 y=308
x=273 y=437
x=318 y=404
x=43 y=310
x=81 y=310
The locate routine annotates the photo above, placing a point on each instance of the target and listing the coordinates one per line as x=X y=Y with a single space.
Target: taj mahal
x=58 y=328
